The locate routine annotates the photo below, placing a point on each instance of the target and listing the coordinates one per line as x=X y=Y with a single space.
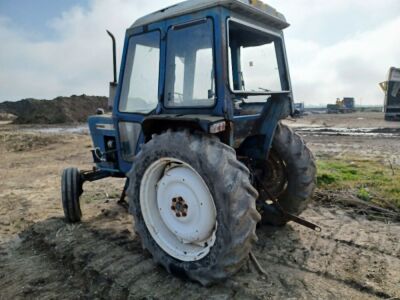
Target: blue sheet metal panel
x=280 y=49
x=224 y=105
x=118 y=116
x=284 y=61
x=263 y=129
x=97 y=131
x=270 y=116
x=263 y=124
x=247 y=117
x=218 y=108
x=129 y=33
x=101 y=126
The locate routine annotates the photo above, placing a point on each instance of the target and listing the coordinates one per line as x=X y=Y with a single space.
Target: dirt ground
x=365 y=135
x=41 y=257
x=355 y=120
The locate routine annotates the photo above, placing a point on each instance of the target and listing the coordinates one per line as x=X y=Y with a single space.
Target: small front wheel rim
x=178 y=209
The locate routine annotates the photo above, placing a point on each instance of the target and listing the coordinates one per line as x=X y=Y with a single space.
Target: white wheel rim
x=178 y=209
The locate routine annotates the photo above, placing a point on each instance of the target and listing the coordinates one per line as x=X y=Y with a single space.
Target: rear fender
x=161 y=123
x=259 y=141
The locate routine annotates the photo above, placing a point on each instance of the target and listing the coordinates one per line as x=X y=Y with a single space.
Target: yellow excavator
x=343 y=106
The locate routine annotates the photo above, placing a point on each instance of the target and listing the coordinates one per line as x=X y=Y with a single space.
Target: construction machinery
x=391 y=88
x=299 y=109
x=195 y=130
x=342 y=106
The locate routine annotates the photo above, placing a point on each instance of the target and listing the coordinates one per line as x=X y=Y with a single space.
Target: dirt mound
x=6 y=117
x=61 y=110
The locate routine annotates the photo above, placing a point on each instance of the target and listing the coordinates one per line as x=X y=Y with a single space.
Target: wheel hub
x=186 y=189
x=273 y=175
x=178 y=209
x=179 y=206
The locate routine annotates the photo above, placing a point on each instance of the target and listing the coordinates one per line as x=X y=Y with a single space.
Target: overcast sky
x=336 y=48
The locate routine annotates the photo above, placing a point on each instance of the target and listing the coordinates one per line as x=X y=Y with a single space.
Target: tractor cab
x=213 y=66
x=195 y=132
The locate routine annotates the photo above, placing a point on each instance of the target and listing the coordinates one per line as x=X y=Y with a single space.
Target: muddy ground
x=365 y=135
x=41 y=257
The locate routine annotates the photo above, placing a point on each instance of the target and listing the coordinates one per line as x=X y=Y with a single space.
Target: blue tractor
x=195 y=130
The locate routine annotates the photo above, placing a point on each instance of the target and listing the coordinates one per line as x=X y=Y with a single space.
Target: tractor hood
x=254 y=9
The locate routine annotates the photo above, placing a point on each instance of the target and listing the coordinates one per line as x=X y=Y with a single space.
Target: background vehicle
x=299 y=109
x=346 y=105
x=391 y=88
x=195 y=130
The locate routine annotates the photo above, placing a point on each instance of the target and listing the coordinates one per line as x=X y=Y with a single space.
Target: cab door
x=138 y=94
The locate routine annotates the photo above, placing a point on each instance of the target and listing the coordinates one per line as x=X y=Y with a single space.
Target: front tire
x=71 y=190
x=205 y=251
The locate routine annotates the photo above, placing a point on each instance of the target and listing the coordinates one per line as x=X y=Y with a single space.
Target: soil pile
x=61 y=110
x=6 y=117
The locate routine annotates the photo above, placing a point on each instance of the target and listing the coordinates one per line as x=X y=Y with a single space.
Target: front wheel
x=193 y=205
x=71 y=190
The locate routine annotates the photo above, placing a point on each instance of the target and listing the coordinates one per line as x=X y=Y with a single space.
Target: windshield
x=190 y=65
x=254 y=65
x=140 y=83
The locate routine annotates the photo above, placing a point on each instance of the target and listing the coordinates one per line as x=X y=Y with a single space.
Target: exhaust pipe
x=113 y=84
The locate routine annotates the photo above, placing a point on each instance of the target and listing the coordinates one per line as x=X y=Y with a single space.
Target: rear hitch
x=300 y=221
x=289 y=217
x=122 y=202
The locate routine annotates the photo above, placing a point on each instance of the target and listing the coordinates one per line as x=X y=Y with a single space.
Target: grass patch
x=363 y=194
x=369 y=180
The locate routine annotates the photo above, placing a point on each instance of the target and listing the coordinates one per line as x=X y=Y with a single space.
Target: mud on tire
x=234 y=197
x=300 y=171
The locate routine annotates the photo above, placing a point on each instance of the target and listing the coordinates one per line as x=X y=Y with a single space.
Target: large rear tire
x=290 y=175
x=193 y=205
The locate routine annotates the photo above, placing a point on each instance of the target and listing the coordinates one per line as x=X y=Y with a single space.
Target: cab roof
x=254 y=9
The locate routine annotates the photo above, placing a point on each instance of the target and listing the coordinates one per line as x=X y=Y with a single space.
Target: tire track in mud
x=27 y=272
x=341 y=253
x=111 y=262
x=102 y=258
